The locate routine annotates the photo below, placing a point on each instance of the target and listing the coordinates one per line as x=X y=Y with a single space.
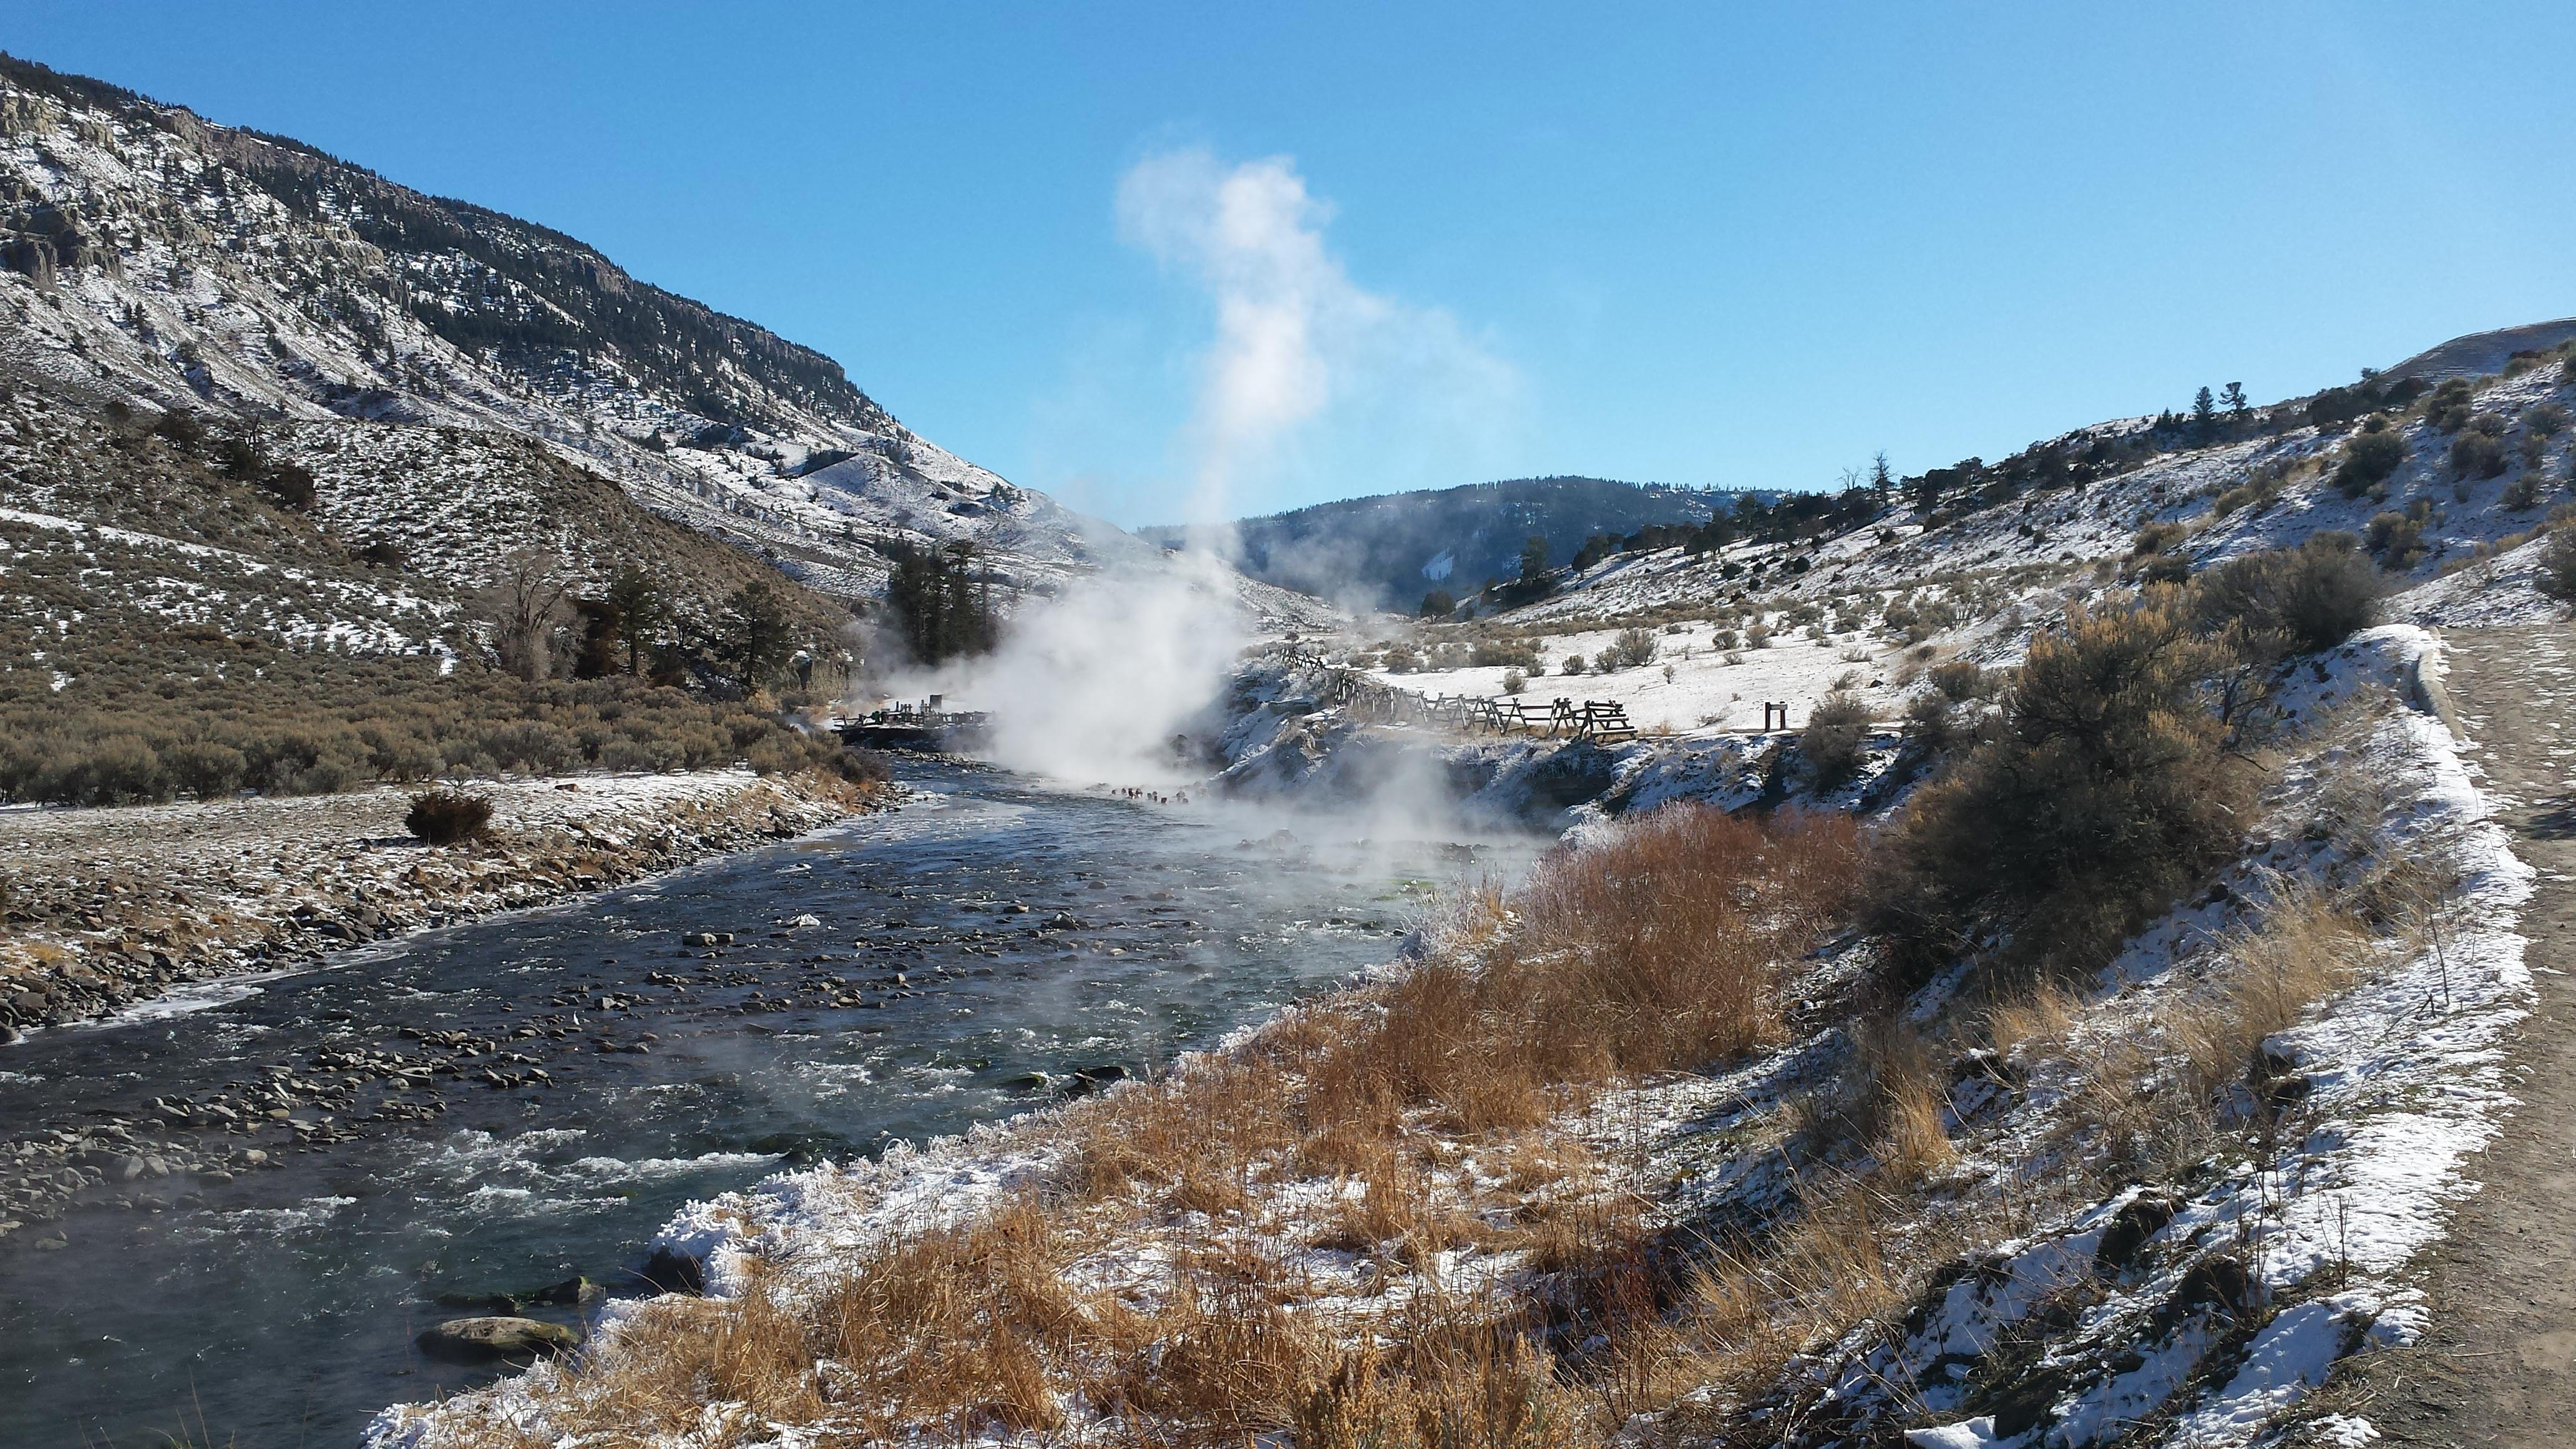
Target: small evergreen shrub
x=1632 y=649
x=447 y=817
x=2558 y=557
x=2104 y=792
x=2396 y=539
x=2449 y=407
x=2367 y=460
x=2289 y=601
x=1960 y=680
x=2155 y=538
x=1836 y=738
x=2477 y=454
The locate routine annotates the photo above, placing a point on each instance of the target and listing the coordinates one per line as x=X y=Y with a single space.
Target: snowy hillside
x=1791 y=618
x=152 y=258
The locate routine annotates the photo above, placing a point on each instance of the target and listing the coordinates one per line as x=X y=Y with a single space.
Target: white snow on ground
x=1706 y=689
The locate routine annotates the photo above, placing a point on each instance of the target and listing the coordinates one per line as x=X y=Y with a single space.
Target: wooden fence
x=1377 y=702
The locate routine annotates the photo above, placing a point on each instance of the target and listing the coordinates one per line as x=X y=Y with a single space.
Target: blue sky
x=1159 y=259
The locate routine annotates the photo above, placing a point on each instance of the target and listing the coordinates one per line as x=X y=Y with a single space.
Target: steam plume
x=1296 y=337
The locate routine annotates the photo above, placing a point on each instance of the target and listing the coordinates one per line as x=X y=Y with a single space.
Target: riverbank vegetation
x=1381 y=1152
x=1672 y=1131
x=297 y=723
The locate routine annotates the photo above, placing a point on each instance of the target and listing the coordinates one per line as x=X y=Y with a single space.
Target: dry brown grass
x=2307 y=946
x=2045 y=1011
x=2159 y=1096
x=1663 y=949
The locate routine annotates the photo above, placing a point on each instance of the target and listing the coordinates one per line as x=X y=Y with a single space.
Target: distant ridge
x=1389 y=550
x=2480 y=353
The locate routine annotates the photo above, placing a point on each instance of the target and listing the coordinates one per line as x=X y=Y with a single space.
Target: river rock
x=486 y=1340
x=571 y=1291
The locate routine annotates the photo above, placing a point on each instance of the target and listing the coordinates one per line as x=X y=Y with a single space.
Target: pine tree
x=2234 y=397
x=638 y=609
x=1534 y=559
x=2204 y=411
x=1881 y=477
x=945 y=603
x=757 y=634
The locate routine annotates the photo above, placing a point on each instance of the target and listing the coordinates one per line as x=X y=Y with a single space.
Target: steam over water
x=281 y=1306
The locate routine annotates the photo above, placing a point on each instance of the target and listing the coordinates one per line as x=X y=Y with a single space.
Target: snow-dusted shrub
x=2103 y=793
x=447 y=817
x=2290 y=601
x=1633 y=648
x=1573 y=664
x=2368 y=460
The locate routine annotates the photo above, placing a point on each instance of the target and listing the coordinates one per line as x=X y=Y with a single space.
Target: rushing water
x=279 y=1309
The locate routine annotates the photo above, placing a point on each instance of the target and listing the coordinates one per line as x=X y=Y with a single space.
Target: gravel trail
x=2498 y=1366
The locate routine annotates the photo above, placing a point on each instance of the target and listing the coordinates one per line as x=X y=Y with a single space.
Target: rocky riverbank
x=105 y=909
x=110 y=909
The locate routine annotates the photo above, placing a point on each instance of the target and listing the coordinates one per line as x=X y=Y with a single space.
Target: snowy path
x=2498 y=1365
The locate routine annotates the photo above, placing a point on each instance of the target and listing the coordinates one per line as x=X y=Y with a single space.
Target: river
x=279 y=1309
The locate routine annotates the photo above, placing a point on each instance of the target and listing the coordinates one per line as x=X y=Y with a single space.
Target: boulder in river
x=673 y=1271
x=495 y=1339
x=571 y=1291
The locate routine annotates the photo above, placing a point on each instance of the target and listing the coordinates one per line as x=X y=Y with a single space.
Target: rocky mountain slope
x=2466 y=476
x=445 y=372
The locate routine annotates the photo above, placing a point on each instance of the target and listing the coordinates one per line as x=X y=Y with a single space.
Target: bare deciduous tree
x=527 y=600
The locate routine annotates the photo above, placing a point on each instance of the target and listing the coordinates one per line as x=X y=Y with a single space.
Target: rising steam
x=1298 y=343
x=1093 y=685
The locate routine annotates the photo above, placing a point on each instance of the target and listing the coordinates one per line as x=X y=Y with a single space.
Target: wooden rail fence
x=1377 y=702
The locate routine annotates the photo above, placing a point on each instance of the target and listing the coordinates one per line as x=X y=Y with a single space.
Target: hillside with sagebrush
x=308 y=480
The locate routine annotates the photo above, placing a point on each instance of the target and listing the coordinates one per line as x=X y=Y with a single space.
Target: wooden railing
x=1377 y=702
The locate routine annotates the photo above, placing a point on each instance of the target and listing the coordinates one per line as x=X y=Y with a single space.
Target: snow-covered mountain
x=441 y=369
